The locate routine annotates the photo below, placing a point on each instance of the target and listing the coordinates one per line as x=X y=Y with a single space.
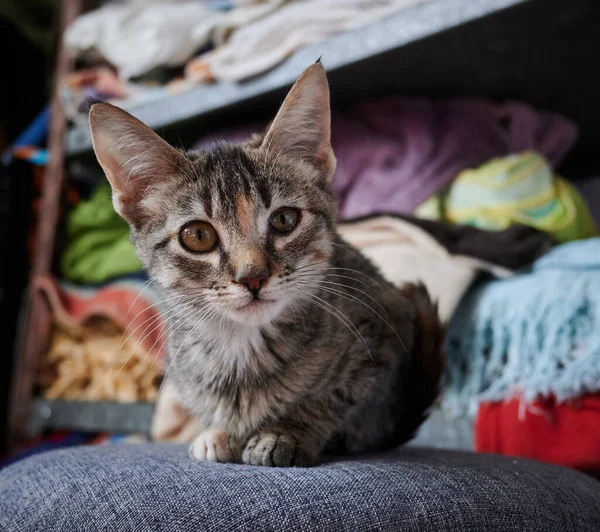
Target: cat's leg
x=278 y=447
x=214 y=445
x=171 y=421
x=296 y=441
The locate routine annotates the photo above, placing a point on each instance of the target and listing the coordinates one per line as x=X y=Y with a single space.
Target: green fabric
x=98 y=246
x=515 y=189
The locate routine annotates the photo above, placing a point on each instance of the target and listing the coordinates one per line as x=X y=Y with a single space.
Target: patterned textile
x=514 y=189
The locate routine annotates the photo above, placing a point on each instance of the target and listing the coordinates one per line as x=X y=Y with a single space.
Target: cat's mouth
x=258 y=311
x=256 y=304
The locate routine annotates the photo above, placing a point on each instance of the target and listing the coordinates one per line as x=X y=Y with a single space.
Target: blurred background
x=454 y=115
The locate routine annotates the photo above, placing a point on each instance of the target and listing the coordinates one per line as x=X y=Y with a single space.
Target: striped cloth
x=519 y=188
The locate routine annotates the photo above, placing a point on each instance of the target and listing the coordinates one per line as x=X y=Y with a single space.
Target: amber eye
x=198 y=237
x=285 y=220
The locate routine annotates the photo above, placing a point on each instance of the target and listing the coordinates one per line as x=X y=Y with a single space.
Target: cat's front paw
x=276 y=450
x=212 y=445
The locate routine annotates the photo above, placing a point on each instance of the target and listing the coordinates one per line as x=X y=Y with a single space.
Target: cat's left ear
x=302 y=127
x=132 y=156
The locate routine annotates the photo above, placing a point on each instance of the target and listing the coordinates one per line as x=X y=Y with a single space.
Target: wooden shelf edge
x=88 y=416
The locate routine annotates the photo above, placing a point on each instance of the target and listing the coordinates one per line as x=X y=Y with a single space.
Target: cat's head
x=237 y=229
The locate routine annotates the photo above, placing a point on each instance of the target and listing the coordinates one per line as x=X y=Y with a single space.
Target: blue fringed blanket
x=536 y=334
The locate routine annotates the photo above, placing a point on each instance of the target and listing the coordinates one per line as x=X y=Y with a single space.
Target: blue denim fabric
x=157 y=487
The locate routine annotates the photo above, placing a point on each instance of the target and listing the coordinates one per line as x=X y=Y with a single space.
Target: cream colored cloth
x=254 y=36
x=403 y=253
x=138 y=36
x=259 y=46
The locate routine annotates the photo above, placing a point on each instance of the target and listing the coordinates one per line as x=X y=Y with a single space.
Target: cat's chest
x=228 y=353
x=230 y=380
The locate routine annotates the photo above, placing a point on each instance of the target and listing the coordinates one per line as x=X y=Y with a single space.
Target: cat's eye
x=285 y=220
x=198 y=237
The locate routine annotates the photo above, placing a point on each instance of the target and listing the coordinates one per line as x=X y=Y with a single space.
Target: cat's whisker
x=349 y=249
x=350 y=297
x=204 y=316
x=203 y=305
x=297 y=312
x=155 y=304
x=170 y=329
x=221 y=321
x=196 y=314
x=311 y=265
x=329 y=268
x=144 y=286
x=324 y=281
x=328 y=307
x=300 y=309
x=193 y=314
x=157 y=321
x=354 y=271
x=344 y=320
x=141 y=340
x=319 y=273
x=162 y=320
x=153 y=319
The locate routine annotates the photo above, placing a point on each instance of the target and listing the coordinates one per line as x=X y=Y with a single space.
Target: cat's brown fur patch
x=244 y=213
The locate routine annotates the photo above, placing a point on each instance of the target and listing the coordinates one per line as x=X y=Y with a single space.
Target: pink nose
x=254 y=284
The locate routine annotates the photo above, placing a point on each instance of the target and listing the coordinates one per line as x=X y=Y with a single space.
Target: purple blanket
x=396 y=152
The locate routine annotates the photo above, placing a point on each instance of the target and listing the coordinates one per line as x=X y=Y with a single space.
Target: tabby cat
x=284 y=341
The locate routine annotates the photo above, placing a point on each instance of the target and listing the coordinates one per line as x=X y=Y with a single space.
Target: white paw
x=212 y=445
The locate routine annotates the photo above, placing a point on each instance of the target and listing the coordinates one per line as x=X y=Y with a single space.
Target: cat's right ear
x=132 y=156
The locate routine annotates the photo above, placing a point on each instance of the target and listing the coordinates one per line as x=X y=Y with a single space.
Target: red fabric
x=567 y=434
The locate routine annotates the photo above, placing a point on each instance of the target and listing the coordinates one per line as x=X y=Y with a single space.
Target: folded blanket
x=565 y=434
x=515 y=189
x=394 y=153
x=532 y=336
x=98 y=246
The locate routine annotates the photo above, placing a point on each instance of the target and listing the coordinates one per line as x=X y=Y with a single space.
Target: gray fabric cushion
x=157 y=487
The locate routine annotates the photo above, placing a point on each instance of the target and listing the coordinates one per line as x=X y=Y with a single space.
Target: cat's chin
x=257 y=312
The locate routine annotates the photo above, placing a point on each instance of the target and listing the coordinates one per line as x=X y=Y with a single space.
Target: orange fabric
x=567 y=434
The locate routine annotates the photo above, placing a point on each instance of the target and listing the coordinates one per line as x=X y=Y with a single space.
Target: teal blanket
x=537 y=334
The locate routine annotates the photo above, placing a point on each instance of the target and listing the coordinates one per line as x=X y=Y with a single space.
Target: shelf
x=90 y=416
x=407 y=26
x=438 y=430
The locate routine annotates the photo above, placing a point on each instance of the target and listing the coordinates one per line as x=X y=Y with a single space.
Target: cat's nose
x=254 y=283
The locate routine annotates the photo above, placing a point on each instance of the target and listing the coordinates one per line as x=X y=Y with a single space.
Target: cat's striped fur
x=328 y=355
